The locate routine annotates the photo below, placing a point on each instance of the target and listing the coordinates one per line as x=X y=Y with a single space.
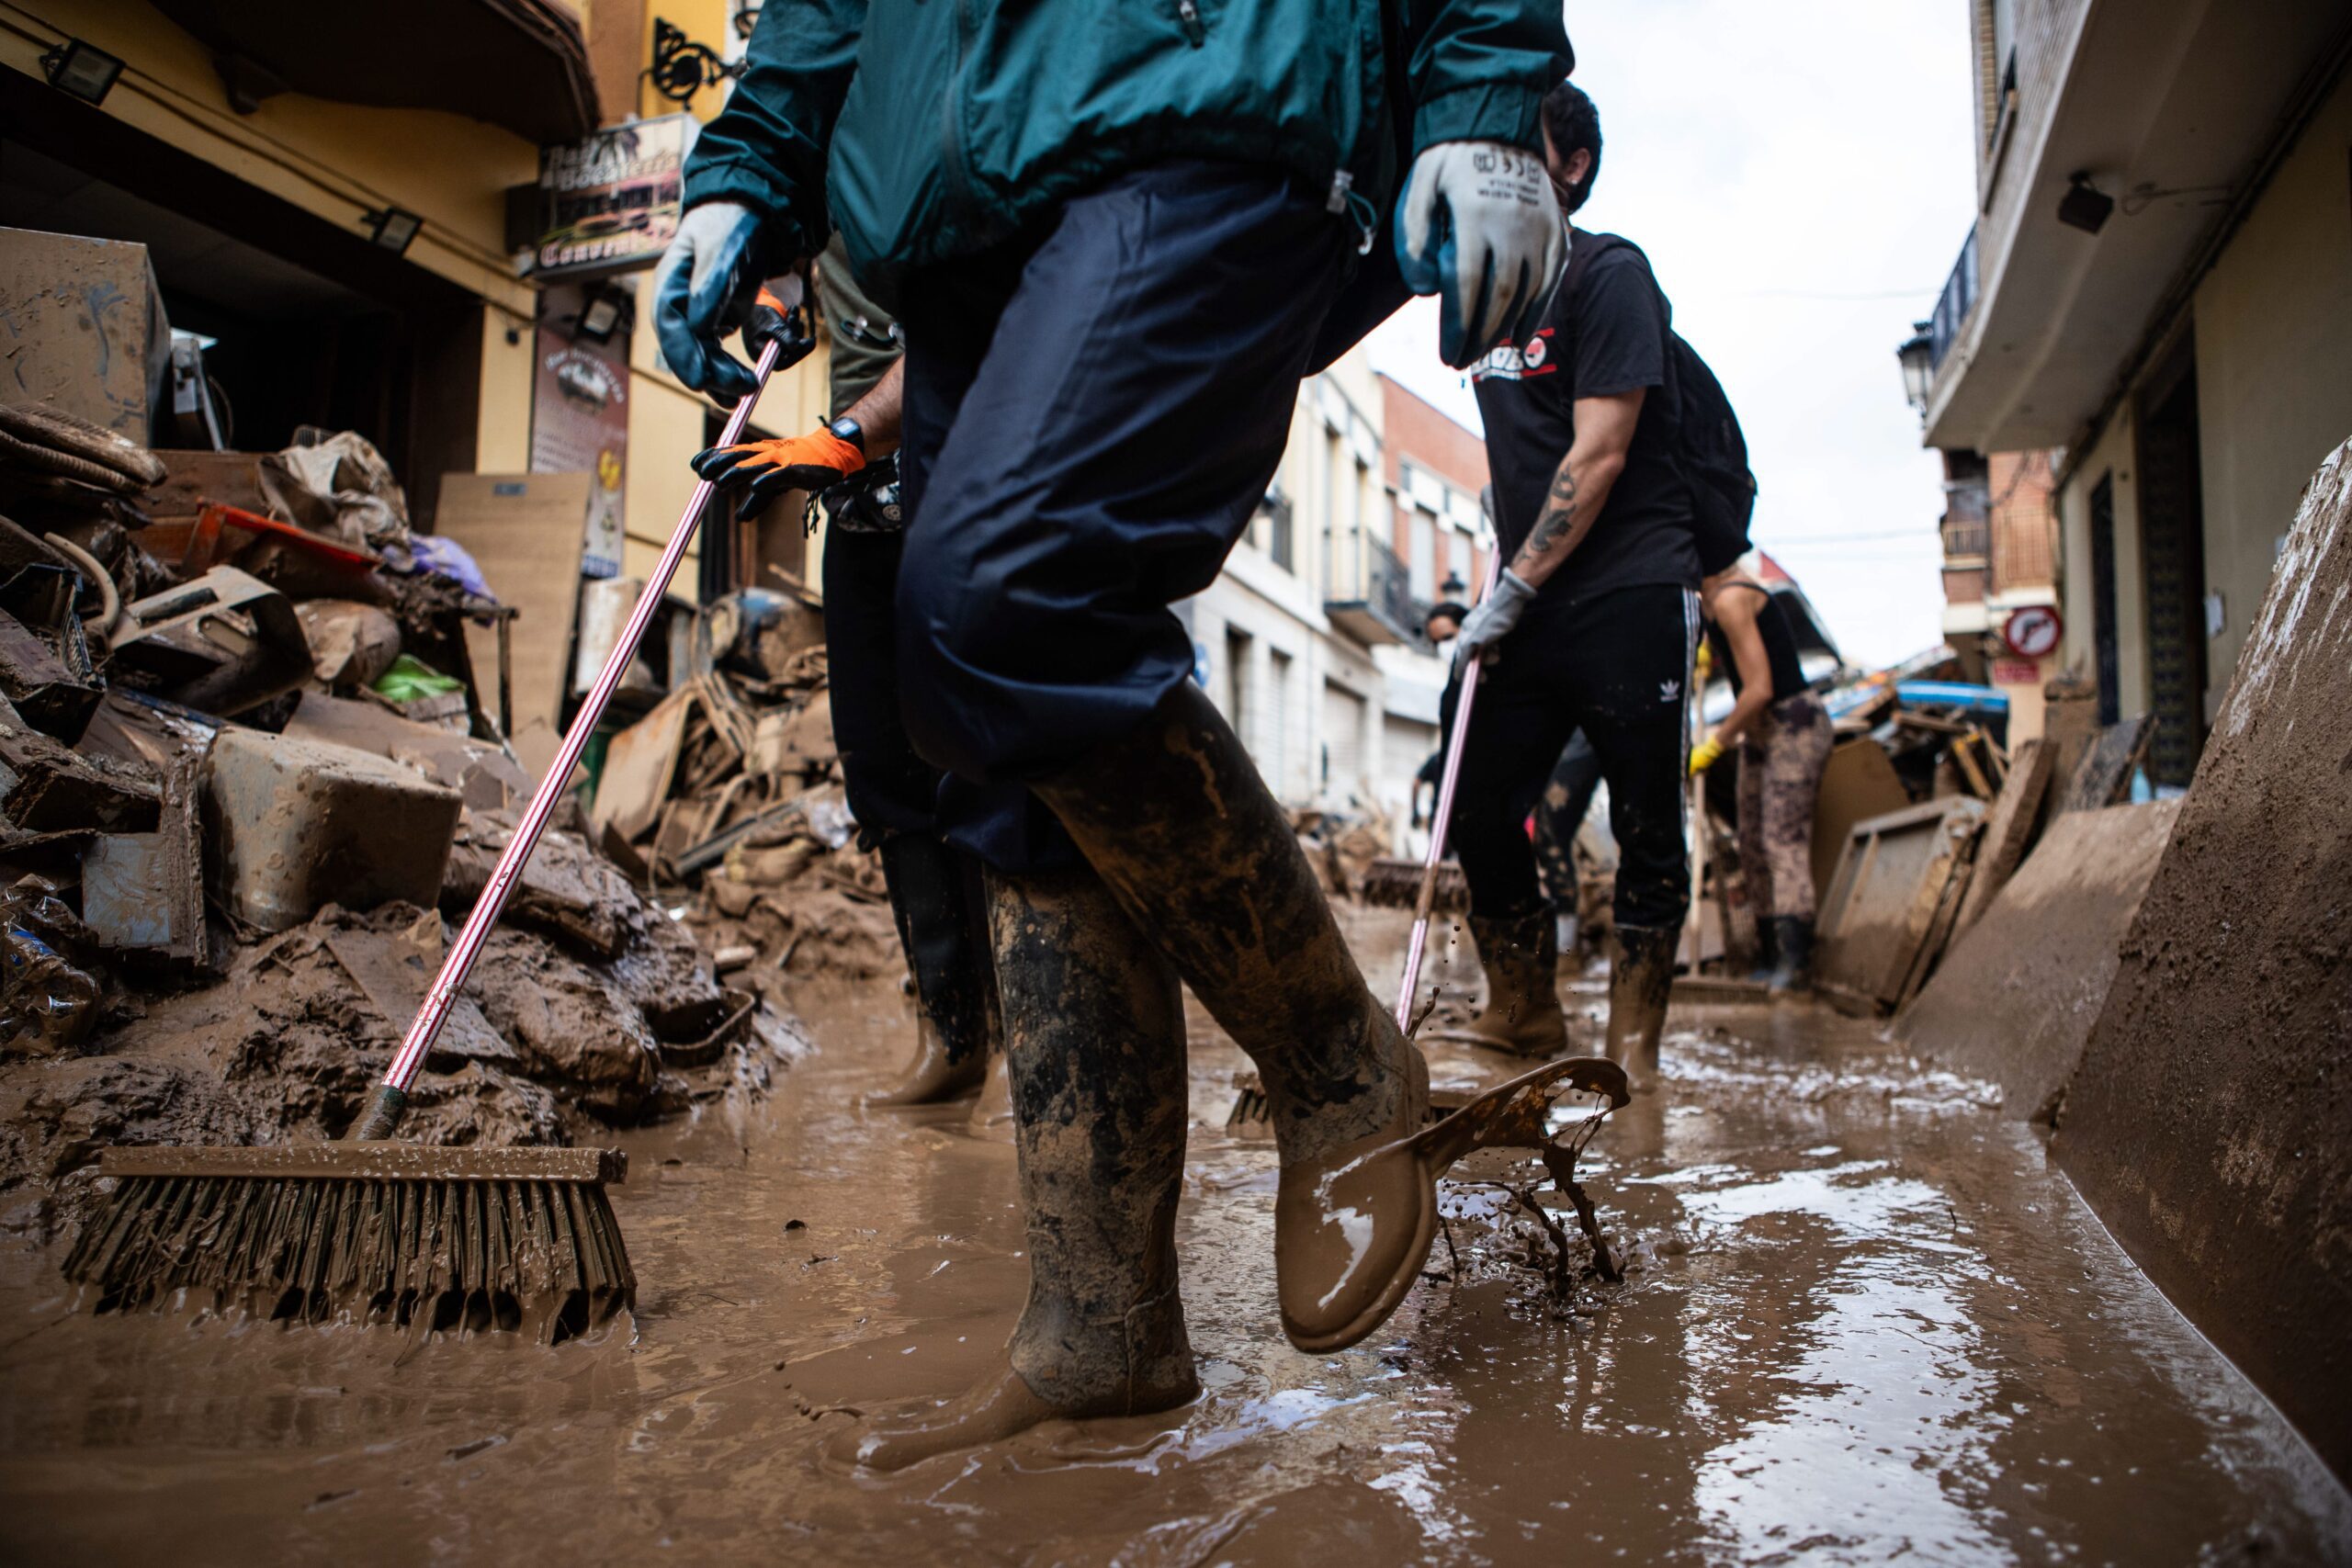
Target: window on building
x=1236 y=685
x=1270 y=527
x=2103 y=643
x=1274 y=747
x=1422 y=567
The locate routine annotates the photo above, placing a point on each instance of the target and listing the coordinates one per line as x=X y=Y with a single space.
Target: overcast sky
x=1800 y=174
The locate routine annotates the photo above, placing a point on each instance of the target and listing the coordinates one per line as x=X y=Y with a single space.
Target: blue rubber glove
x=704 y=289
x=1477 y=225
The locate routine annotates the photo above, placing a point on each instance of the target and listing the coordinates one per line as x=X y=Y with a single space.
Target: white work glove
x=1479 y=226
x=1493 y=618
x=702 y=290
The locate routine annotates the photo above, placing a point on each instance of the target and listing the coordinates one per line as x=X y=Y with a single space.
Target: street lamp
x=1918 y=358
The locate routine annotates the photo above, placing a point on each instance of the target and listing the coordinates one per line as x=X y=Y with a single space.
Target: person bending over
x=1784 y=735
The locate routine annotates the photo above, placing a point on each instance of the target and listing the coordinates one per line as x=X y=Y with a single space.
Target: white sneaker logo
x=1669 y=690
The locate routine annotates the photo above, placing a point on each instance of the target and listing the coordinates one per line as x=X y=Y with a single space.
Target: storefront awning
x=520 y=64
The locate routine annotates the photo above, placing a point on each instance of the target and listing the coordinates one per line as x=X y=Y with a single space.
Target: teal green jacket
x=925 y=130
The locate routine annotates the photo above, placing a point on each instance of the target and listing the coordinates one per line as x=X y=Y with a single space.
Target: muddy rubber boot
x=1793 y=970
x=1184 y=832
x=1094 y=1031
x=1638 y=986
x=935 y=899
x=992 y=1107
x=1522 y=959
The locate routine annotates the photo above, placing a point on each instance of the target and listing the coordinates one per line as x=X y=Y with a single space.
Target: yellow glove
x=1703 y=755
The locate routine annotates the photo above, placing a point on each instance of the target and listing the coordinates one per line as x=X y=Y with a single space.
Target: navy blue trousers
x=1092 y=414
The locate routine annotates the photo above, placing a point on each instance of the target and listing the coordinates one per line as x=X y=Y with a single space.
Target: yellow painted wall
x=336 y=160
x=2273 y=369
x=503 y=430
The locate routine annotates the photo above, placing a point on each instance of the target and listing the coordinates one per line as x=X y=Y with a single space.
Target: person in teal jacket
x=1116 y=237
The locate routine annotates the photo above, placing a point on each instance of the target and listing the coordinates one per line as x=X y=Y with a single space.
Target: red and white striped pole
x=1422 y=906
x=393 y=1095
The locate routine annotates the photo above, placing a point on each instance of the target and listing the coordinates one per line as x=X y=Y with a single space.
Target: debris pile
x=729 y=791
x=249 y=787
x=1924 y=813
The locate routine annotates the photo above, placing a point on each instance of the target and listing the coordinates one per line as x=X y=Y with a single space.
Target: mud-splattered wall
x=2207 y=1124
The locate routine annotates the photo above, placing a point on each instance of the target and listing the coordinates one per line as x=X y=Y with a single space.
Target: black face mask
x=1569 y=196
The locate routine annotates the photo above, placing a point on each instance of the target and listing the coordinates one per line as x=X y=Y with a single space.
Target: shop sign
x=579 y=425
x=611 y=203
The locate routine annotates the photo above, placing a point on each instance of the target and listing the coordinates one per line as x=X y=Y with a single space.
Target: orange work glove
x=760 y=472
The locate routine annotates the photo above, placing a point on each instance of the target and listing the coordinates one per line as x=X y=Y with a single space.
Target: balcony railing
x=1953 y=305
x=1382 y=608
x=1966 y=540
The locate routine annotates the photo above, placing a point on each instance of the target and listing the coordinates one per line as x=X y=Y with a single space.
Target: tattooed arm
x=1604 y=433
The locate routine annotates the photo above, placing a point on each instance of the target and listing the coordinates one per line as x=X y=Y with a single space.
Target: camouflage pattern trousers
x=1780 y=761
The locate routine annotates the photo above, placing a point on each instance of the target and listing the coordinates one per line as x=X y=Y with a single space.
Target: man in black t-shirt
x=1591 y=625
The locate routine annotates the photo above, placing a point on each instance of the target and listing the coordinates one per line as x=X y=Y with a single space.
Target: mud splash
x=1857 y=1325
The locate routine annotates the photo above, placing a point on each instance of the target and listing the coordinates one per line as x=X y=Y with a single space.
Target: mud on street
x=1863 y=1320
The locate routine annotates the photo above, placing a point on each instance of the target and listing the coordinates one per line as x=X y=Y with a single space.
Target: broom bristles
x=1397 y=884
x=534 y=1254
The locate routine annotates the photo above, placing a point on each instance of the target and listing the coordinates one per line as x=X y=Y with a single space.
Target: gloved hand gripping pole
x=1445 y=816
x=391 y=1097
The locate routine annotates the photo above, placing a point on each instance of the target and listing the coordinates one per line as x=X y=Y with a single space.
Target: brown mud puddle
x=1864 y=1320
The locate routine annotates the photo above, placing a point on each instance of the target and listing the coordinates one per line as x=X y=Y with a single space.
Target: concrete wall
x=2206 y=1124
x=2271 y=327
x=2274 y=369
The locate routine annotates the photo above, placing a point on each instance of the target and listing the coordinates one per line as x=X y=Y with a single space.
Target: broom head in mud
x=1397 y=884
x=427 y=1239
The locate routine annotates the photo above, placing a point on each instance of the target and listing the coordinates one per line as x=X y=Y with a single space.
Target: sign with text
x=579 y=425
x=611 y=203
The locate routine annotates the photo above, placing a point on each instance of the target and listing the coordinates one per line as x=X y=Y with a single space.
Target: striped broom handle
x=1422 y=904
x=526 y=837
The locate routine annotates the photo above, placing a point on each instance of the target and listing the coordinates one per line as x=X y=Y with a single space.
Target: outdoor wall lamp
x=81 y=71
x=604 y=313
x=2085 y=205
x=392 y=229
x=1918 y=358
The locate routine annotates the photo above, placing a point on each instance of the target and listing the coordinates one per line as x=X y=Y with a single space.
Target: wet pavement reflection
x=1864 y=1320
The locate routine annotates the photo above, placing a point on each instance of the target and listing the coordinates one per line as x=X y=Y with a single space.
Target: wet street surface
x=1864 y=1320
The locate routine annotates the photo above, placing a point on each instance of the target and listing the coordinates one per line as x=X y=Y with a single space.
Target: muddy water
x=1864 y=1320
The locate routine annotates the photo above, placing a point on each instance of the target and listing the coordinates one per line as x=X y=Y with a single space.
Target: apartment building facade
x=2154 y=308
x=1310 y=642
x=333 y=205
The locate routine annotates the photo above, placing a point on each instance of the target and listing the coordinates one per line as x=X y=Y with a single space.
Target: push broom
x=1251 y=1105
x=383 y=1232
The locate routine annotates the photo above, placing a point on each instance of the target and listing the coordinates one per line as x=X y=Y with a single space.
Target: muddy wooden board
x=2016 y=995
x=2207 y=1122
x=2009 y=829
x=1890 y=884
x=639 y=763
x=1857 y=784
x=2104 y=775
x=526 y=532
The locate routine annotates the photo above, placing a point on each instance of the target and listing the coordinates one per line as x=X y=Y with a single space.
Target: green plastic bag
x=411 y=678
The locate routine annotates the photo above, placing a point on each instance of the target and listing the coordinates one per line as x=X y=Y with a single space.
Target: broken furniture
x=223 y=644
x=1890 y=907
